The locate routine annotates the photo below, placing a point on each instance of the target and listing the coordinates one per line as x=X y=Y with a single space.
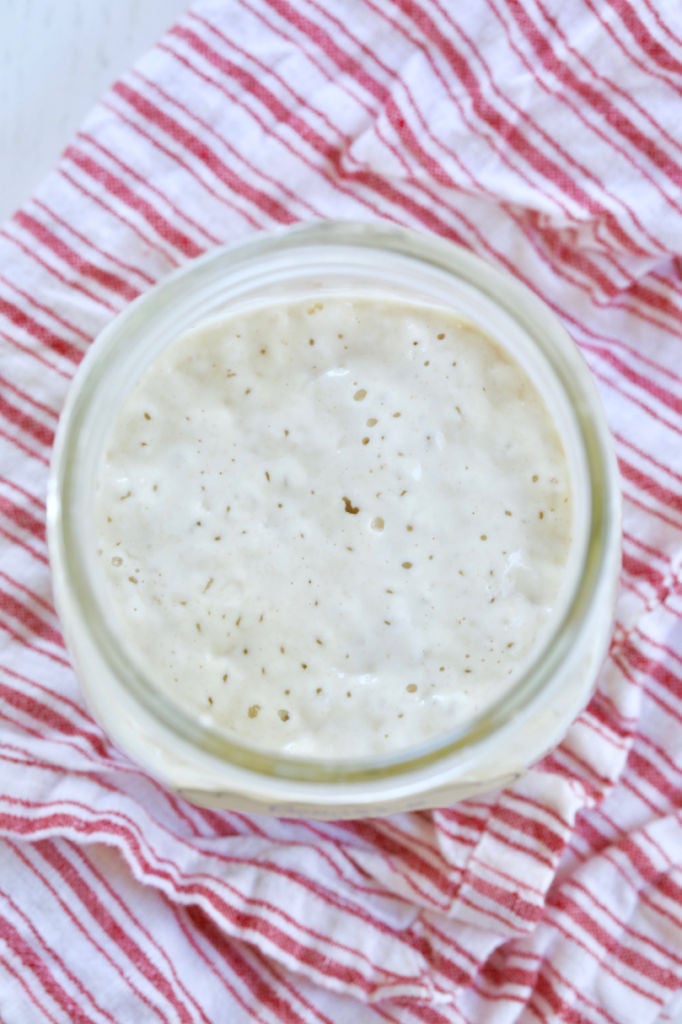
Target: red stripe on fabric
x=506 y=838
x=597 y=101
x=50 y=312
x=603 y=781
x=657 y=555
x=444 y=965
x=618 y=922
x=500 y=975
x=612 y=946
x=449 y=941
x=405 y=135
x=626 y=371
x=90 y=244
x=642 y=36
x=558 y=253
x=125 y=194
x=47 y=605
x=209 y=130
x=639 y=570
x=23 y=421
x=375 y=837
x=22 y=544
x=127 y=169
x=409 y=139
x=673 y=766
x=343 y=60
x=253 y=86
x=483 y=241
x=653 y=669
x=664 y=304
x=263 y=993
x=537 y=805
x=606 y=965
x=563 y=253
x=84 y=268
x=326 y=894
x=438 y=201
x=27 y=617
x=648 y=457
x=116 y=933
x=499 y=254
x=596 y=1007
x=38 y=848
x=109 y=210
x=476 y=977
x=483 y=867
x=203 y=152
x=85 y=995
x=276 y=973
x=16 y=443
x=327 y=150
x=482 y=911
x=366 y=890
x=75 y=286
x=648 y=771
x=24 y=322
x=605 y=715
x=345 y=855
x=591 y=721
x=374 y=182
x=194 y=887
x=567 y=157
x=180 y=913
x=52 y=413
x=28 y=989
x=649 y=486
x=560 y=1009
x=650 y=510
x=529 y=153
x=25 y=642
x=578 y=111
x=87 y=724
x=532 y=154
x=667 y=29
x=38 y=969
x=403 y=865
x=347 y=86
x=32 y=354
x=412 y=837
x=510 y=899
x=529 y=827
x=138 y=126
x=13 y=753
x=657 y=644
x=127 y=910
x=554 y=764
x=629 y=97
x=629 y=53
x=596 y=341
x=24 y=519
x=652 y=695
x=47 y=717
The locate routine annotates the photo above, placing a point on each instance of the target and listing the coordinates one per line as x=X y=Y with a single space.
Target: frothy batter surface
x=333 y=527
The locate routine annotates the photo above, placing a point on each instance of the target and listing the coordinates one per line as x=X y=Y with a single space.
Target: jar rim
x=69 y=556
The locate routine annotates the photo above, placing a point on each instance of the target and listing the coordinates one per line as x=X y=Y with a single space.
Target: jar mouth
x=327 y=257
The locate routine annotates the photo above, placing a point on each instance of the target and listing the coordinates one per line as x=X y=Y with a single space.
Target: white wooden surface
x=56 y=58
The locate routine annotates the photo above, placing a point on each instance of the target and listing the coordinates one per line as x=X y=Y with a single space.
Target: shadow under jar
x=334 y=525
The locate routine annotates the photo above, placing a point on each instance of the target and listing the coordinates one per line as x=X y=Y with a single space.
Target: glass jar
x=494 y=745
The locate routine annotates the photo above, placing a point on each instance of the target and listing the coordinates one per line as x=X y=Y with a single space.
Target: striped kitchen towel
x=545 y=135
